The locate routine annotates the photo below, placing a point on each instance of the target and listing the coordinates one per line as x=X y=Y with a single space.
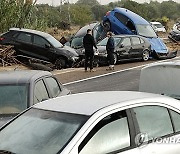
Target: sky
x=103 y=2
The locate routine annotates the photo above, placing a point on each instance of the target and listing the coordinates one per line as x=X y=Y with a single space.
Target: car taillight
x=108 y=13
x=2 y=38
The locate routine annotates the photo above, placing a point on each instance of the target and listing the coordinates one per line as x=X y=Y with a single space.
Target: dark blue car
x=124 y=21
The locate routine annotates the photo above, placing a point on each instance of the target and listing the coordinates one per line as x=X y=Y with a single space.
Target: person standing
x=88 y=42
x=110 y=50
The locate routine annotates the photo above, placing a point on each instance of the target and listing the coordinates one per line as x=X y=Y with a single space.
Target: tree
x=88 y=2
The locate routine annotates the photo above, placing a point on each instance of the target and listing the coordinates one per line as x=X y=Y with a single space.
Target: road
x=128 y=80
x=125 y=78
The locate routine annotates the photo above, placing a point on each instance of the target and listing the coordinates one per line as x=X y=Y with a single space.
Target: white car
x=113 y=122
x=158 y=27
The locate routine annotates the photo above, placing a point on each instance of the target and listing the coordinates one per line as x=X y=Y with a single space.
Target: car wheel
x=60 y=63
x=114 y=58
x=107 y=25
x=145 y=55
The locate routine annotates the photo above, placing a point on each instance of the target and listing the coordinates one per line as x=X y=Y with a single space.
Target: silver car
x=22 y=89
x=96 y=123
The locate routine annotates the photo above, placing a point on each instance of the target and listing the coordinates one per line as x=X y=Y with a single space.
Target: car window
x=123 y=19
x=126 y=42
x=53 y=86
x=25 y=37
x=135 y=40
x=112 y=131
x=13 y=98
x=175 y=118
x=40 y=92
x=40 y=41
x=153 y=120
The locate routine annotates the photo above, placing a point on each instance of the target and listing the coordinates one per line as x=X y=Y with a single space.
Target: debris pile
x=7 y=56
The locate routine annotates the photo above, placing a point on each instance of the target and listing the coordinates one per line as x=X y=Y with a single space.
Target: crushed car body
x=124 y=21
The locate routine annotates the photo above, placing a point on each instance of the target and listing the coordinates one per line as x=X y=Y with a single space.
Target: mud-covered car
x=98 y=33
x=22 y=89
x=127 y=47
x=42 y=46
x=107 y=122
x=175 y=33
x=124 y=21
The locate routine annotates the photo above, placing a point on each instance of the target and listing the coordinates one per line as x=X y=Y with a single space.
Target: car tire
x=145 y=55
x=60 y=63
x=115 y=58
x=107 y=25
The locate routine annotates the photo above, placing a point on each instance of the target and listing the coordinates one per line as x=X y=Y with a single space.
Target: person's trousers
x=110 y=56
x=89 y=57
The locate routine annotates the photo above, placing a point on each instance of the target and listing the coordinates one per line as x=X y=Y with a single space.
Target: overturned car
x=124 y=21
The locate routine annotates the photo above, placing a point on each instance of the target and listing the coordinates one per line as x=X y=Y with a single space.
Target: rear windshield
x=13 y=98
x=77 y=42
x=40 y=132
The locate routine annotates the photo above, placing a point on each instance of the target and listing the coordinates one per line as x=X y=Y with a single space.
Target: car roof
x=21 y=76
x=83 y=30
x=131 y=15
x=31 y=31
x=126 y=35
x=91 y=102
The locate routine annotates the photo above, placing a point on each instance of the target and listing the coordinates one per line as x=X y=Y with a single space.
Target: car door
x=23 y=44
x=124 y=48
x=41 y=48
x=137 y=47
x=113 y=134
x=160 y=128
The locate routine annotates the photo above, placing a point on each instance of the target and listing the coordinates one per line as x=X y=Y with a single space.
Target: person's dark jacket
x=88 y=42
x=110 y=44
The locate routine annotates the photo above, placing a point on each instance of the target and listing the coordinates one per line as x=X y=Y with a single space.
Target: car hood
x=158 y=45
x=70 y=51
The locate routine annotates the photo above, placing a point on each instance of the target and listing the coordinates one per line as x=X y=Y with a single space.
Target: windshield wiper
x=6 y=152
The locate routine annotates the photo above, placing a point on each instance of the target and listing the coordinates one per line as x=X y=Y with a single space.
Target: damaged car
x=39 y=45
x=127 y=47
x=124 y=21
x=21 y=89
x=175 y=33
x=98 y=32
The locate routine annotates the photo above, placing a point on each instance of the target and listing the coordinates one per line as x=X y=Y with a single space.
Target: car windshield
x=54 y=42
x=146 y=30
x=13 y=98
x=77 y=42
x=40 y=132
x=104 y=41
x=99 y=33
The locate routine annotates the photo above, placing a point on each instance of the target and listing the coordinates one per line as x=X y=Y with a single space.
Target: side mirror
x=122 y=46
x=47 y=46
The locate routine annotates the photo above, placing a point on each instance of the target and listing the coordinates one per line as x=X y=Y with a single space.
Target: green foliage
x=13 y=14
x=18 y=14
x=88 y=2
x=80 y=14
